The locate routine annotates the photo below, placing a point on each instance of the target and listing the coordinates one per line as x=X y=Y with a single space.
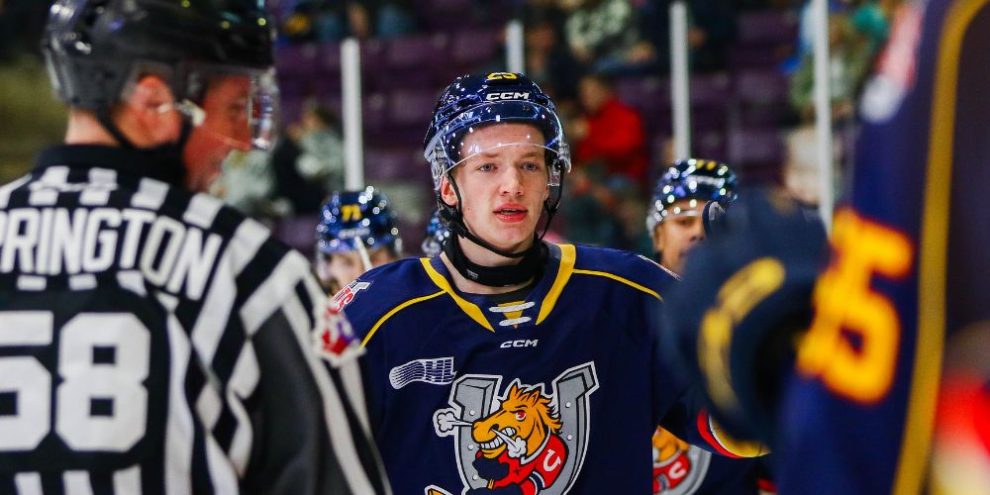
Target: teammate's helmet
x=702 y=180
x=437 y=234
x=353 y=217
x=476 y=101
x=95 y=49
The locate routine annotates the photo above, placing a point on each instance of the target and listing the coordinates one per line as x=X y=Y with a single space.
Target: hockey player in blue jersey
x=357 y=232
x=838 y=364
x=675 y=223
x=508 y=364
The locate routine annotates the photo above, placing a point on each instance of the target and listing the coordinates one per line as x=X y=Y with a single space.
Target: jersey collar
x=544 y=296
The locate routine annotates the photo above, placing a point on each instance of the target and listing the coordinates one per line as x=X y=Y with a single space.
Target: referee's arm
x=310 y=425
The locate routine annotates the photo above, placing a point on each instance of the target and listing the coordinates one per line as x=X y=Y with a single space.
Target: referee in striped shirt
x=153 y=341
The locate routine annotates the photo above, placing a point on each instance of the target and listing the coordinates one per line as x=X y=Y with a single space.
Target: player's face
x=677 y=234
x=224 y=129
x=503 y=185
x=340 y=269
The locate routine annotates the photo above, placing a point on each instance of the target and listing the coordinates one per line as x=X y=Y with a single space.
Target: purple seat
x=416 y=52
x=394 y=164
x=755 y=57
x=761 y=86
x=297 y=60
x=474 y=48
x=762 y=97
x=298 y=233
x=755 y=147
x=328 y=59
x=647 y=94
x=767 y=27
x=446 y=15
x=710 y=145
x=374 y=112
x=411 y=108
x=710 y=91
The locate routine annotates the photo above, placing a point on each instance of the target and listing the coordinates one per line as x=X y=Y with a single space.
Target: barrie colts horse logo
x=524 y=438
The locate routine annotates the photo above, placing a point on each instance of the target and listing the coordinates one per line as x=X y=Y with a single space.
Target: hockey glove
x=744 y=299
x=490 y=469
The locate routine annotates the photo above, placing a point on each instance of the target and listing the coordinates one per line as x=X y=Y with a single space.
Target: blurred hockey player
x=838 y=364
x=357 y=232
x=508 y=364
x=153 y=340
x=675 y=220
x=437 y=234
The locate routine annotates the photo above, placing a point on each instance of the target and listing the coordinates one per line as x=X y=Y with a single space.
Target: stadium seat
x=420 y=52
x=767 y=27
x=474 y=48
x=392 y=164
x=297 y=60
x=755 y=147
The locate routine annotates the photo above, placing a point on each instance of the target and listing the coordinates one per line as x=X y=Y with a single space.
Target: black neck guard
x=530 y=265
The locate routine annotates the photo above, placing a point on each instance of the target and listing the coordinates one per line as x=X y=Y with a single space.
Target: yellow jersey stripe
x=920 y=418
x=471 y=309
x=567 y=256
x=395 y=310
x=617 y=278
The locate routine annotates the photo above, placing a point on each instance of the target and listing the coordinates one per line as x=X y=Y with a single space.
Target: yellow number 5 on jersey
x=853 y=341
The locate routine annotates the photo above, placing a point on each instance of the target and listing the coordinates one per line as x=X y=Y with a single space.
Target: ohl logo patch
x=525 y=438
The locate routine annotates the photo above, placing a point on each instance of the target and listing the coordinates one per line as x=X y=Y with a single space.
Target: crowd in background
x=576 y=50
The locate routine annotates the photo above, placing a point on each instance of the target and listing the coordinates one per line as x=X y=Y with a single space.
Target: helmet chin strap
x=165 y=161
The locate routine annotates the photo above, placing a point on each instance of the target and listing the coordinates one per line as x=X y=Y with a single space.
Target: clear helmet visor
x=451 y=146
x=264 y=110
x=261 y=110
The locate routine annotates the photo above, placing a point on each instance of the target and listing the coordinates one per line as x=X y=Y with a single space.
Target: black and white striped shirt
x=154 y=341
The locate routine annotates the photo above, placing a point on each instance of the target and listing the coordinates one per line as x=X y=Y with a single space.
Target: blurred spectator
x=587 y=210
x=548 y=60
x=321 y=160
x=327 y=20
x=711 y=29
x=871 y=18
x=849 y=63
x=310 y=163
x=246 y=182
x=601 y=33
x=609 y=132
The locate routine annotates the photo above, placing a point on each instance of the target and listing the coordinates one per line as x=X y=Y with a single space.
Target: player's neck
x=483 y=257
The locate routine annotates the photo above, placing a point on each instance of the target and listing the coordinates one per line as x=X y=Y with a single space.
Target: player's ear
x=150 y=105
x=658 y=239
x=447 y=191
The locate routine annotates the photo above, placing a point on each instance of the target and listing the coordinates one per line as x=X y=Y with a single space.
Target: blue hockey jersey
x=909 y=263
x=557 y=393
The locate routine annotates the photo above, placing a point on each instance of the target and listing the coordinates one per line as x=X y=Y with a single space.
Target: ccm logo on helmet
x=507 y=95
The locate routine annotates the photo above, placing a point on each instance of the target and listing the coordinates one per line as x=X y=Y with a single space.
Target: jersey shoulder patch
x=380 y=291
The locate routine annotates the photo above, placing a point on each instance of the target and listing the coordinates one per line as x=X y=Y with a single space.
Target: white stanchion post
x=680 y=79
x=514 y=46
x=350 y=75
x=823 y=111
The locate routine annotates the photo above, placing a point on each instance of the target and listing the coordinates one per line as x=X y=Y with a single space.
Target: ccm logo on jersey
x=507 y=95
x=521 y=343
